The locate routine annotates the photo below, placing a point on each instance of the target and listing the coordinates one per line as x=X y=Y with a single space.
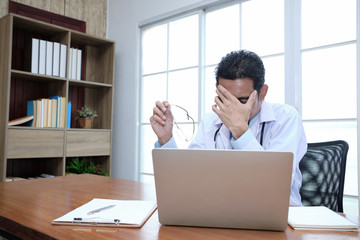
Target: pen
x=95 y=221
x=100 y=209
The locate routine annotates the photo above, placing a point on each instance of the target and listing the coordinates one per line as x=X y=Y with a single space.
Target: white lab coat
x=283 y=132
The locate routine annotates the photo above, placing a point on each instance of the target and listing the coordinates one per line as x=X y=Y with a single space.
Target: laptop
x=223 y=188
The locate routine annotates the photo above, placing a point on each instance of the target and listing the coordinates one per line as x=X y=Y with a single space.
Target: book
x=45 y=175
x=44 y=112
x=78 y=64
x=21 y=120
x=41 y=110
x=109 y=212
x=73 y=63
x=70 y=64
x=319 y=218
x=42 y=57
x=35 y=56
x=62 y=112
x=13 y=179
x=49 y=58
x=49 y=113
x=53 y=112
x=63 y=54
x=56 y=60
x=68 y=115
x=31 y=111
x=58 y=110
x=38 y=116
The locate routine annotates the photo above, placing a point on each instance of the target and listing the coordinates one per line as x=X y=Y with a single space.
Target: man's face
x=241 y=89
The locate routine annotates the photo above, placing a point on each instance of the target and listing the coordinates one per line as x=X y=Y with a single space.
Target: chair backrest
x=323 y=174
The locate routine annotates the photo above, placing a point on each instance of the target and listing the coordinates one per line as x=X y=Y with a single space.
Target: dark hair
x=242 y=64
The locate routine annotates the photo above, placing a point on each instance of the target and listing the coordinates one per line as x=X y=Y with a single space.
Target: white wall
x=123 y=19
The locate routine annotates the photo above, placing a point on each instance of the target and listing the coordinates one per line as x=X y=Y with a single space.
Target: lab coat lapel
x=267 y=114
x=224 y=138
x=255 y=128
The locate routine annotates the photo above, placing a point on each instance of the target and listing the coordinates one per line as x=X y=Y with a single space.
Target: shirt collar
x=266 y=112
x=253 y=120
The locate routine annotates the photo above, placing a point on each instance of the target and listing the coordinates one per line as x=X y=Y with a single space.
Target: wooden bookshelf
x=27 y=151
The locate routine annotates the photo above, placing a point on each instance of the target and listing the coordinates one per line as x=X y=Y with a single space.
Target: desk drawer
x=31 y=143
x=88 y=143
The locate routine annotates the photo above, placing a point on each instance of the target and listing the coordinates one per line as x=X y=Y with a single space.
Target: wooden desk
x=28 y=207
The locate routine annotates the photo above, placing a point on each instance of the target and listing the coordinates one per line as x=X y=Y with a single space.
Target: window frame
x=292 y=57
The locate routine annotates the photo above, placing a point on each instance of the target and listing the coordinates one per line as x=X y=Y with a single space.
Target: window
x=329 y=77
x=171 y=64
x=219 y=40
x=181 y=69
x=170 y=71
x=263 y=33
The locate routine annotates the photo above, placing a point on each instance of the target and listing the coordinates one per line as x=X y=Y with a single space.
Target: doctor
x=241 y=119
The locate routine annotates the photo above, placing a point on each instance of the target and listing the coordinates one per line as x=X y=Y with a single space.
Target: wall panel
x=4 y=8
x=93 y=12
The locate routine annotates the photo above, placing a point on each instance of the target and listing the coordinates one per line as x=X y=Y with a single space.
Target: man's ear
x=263 y=92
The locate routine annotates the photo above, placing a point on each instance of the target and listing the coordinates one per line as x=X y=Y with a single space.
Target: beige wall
x=93 y=12
x=4 y=6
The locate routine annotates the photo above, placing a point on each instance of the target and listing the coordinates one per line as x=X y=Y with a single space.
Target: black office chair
x=323 y=173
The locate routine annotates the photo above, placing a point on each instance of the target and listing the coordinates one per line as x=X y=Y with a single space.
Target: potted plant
x=86 y=117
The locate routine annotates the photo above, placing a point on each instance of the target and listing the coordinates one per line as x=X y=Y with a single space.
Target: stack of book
x=49 y=58
x=13 y=179
x=49 y=112
x=319 y=218
x=75 y=64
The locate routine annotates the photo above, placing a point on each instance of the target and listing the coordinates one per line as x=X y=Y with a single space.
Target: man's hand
x=162 y=121
x=234 y=114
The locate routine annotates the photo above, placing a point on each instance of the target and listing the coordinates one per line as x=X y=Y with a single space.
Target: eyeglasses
x=243 y=100
x=188 y=117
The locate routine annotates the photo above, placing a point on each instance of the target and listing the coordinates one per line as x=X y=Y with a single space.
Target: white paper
x=132 y=212
x=319 y=218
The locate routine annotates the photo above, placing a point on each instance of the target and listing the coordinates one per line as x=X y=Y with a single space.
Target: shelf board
x=32 y=76
x=40 y=77
x=60 y=129
x=82 y=83
x=35 y=128
x=88 y=130
x=28 y=24
x=82 y=38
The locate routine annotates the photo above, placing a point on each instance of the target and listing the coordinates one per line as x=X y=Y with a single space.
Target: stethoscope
x=261 y=136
